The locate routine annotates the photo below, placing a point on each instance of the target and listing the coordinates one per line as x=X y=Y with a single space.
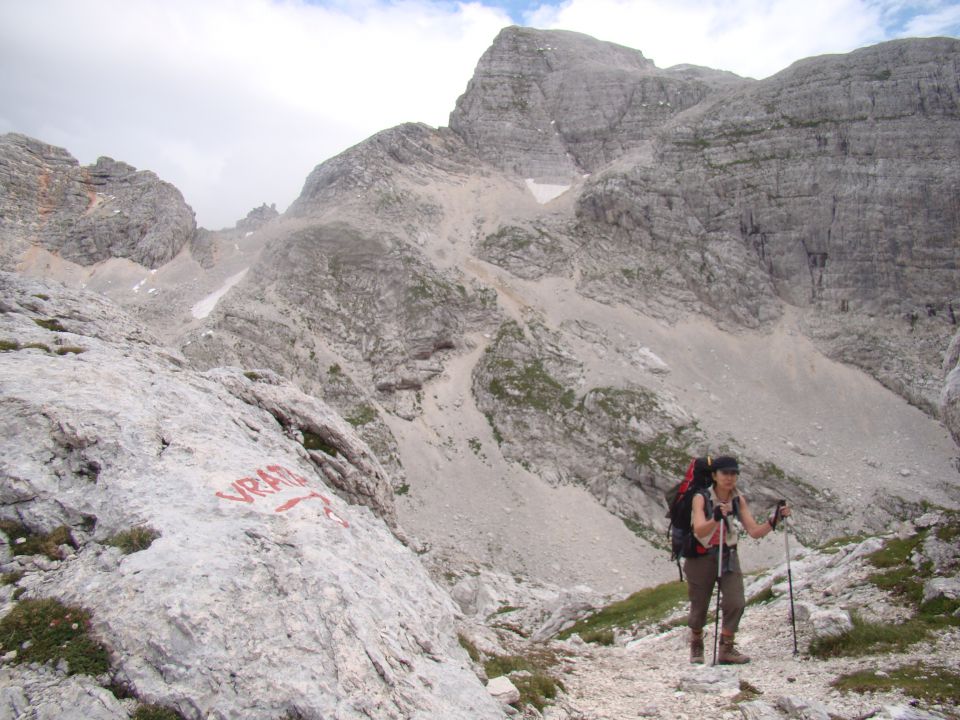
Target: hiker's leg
x=731 y=596
x=701 y=574
x=733 y=603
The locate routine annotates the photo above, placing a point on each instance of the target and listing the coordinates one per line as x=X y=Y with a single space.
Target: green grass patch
x=644 y=606
x=402 y=490
x=599 y=637
x=41 y=296
x=24 y=541
x=312 y=441
x=924 y=682
x=665 y=451
x=156 y=712
x=536 y=689
x=531 y=386
x=52 y=632
x=51 y=324
x=10 y=578
x=467 y=645
x=9 y=346
x=70 y=350
x=872 y=638
x=362 y=415
x=134 y=540
x=475 y=445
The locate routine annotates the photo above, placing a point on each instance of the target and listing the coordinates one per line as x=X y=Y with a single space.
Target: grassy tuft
x=536 y=689
x=134 y=540
x=363 y=415
x=467 y=645
x=70 y=350
x=923 y=682
x=51 y=324
x=10 y=578
x=599 y=637
x=156 y=712
x=312 y=441
x=24 y=541
x=52 y=632
x=870 y=638
x=647 y=605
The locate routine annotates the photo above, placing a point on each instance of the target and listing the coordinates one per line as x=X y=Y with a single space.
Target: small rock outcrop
x=87 y=214
x=266 y=591
x=950 y=395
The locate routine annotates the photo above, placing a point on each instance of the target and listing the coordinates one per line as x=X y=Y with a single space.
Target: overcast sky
x=235 y=101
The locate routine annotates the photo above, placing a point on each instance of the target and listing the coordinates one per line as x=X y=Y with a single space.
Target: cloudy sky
x=235 y=101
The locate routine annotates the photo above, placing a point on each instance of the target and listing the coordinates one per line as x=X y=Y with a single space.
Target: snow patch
x=543 y=192
x=205 y=306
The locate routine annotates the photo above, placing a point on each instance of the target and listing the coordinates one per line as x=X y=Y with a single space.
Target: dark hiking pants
x=701 y=574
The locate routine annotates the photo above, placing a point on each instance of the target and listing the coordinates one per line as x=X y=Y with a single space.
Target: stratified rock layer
x=88 y=214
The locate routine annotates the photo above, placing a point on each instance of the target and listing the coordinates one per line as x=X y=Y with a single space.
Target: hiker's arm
x=753 y=528
x=701 y=525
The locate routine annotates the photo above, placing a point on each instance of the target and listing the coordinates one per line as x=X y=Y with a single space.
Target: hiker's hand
x=722 y=510
x=780 y=512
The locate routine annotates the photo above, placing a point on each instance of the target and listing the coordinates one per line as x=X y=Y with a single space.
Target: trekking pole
x=786 y=542
x=716 y=621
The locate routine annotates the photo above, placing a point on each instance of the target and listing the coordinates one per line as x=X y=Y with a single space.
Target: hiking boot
x=696 y=647
x=729 y=655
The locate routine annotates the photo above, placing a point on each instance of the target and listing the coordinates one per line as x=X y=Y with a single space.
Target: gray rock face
x=554 y=104
x=268 y=591
x=258 y=217
x=950 y=394
x=87 y=214
x=827 y=186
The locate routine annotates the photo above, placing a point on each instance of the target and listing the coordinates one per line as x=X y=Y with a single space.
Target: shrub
x=53 y=631
x=133 y=540
x=363 y=415
x=24 y=541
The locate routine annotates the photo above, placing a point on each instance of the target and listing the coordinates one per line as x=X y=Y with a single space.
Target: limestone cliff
x=87 y=214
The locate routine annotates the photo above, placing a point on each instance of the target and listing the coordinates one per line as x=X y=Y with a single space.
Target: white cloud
x=233 y=101
x=755 y=38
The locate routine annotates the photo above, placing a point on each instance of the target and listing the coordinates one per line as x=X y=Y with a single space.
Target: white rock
x=758 y=710
x=905 y=712
x=830 y=622
x=948 y=588
x=503 y=690
x=803 y=709
x=724 y=681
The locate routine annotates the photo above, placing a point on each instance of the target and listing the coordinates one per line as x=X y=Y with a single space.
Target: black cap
x=725 y=462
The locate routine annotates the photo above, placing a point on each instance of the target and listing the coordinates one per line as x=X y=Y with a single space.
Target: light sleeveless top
x=730 y=532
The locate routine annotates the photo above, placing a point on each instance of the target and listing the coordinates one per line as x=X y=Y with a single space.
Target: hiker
x=701 y=570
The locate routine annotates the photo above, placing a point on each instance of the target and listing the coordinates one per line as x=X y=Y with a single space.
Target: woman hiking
x=710 y=509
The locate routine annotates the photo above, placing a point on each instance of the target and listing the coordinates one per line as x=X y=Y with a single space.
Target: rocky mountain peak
x=551 y=105
x=87 y=214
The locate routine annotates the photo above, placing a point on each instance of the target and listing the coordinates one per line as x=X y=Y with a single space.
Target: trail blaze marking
x=272 y=480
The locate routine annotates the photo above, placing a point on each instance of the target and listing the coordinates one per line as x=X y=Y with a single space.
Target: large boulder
x=268 y=590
